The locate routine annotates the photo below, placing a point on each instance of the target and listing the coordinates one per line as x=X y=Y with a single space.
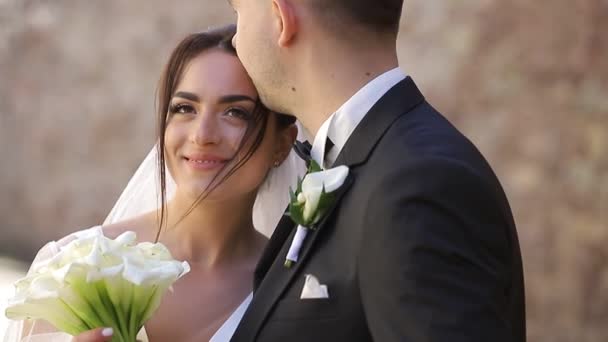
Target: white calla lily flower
x=314 y=184
x=96 y=282
x=312 y=201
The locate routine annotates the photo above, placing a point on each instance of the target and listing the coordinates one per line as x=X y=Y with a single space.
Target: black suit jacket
x=420 y=246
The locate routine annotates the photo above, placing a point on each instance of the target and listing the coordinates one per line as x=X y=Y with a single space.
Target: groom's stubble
x=258 y=51
x=288 y=78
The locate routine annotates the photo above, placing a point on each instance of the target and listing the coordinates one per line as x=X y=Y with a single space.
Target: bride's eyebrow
x=235 y=98
x=222 y=100
x=188 y=96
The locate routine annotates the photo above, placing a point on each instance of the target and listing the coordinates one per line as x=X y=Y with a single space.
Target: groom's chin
x=273 y=100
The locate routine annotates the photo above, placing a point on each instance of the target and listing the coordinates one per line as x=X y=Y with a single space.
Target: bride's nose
x=205 y=130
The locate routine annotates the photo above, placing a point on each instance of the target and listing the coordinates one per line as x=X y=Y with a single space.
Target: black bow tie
x=303 y=149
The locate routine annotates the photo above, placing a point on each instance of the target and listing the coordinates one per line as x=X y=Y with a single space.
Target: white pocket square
x=313 y=289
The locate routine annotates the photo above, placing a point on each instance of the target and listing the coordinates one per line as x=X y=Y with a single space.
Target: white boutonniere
x=314 y=195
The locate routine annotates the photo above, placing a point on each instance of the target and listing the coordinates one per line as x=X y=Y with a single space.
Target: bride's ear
x=286 y=21
x=285 y=140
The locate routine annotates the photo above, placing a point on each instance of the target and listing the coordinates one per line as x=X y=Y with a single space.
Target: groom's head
x=277 y=38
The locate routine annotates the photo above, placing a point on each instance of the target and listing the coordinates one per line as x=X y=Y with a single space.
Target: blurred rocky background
x=527 y=81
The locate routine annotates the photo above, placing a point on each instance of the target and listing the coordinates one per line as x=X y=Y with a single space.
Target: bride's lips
x=205 y=162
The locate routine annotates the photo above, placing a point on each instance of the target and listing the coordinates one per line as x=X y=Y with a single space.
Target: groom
x=421 y=244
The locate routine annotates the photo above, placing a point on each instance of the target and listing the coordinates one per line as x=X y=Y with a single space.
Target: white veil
x=141 y=195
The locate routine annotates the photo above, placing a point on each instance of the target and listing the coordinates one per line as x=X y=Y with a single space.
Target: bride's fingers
x=95 y=335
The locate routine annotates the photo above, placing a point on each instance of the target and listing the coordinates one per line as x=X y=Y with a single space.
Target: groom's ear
x=286 y=21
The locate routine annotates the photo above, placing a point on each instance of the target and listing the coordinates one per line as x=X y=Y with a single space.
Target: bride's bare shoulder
x=144 y=226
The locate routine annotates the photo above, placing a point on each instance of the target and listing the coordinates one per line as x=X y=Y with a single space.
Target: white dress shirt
x=341 y=124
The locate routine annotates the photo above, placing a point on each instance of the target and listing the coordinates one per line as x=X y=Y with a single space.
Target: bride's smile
x=204 y=162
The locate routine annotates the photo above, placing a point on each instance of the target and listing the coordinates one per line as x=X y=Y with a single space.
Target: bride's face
x=208 y=116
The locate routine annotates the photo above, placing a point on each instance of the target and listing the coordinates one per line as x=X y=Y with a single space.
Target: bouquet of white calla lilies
x=95 y=281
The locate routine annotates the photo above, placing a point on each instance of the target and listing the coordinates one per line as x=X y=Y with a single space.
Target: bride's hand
x=95 y=335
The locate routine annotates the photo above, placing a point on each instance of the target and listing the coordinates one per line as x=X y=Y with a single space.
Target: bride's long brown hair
x=189 y=48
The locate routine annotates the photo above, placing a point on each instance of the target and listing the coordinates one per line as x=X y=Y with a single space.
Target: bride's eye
x=238 y=113
x=182 y=108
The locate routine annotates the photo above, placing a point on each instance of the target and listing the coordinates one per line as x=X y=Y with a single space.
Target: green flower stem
x=120 y=323
x=84 y=307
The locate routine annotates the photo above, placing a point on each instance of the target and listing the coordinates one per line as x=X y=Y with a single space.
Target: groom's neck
x=330 y=75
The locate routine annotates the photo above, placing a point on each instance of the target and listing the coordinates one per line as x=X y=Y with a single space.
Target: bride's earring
x=277 y=163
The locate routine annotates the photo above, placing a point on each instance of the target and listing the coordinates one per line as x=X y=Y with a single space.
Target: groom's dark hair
x=377 y=16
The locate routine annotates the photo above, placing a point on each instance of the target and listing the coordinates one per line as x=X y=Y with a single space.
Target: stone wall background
x=526 y=81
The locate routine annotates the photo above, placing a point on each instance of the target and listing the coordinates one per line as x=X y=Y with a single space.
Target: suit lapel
x=399 y=100
x=272 y=278
x=277 y=240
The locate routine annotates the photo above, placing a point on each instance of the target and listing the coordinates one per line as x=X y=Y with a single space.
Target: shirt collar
x=341 y=124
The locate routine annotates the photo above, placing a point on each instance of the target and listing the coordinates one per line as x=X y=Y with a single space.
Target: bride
x=228 y=168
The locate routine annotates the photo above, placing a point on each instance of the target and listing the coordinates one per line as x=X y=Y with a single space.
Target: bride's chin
x=192 y=191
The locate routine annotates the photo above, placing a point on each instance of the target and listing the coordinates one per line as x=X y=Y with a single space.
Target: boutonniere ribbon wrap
x=310 y=202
